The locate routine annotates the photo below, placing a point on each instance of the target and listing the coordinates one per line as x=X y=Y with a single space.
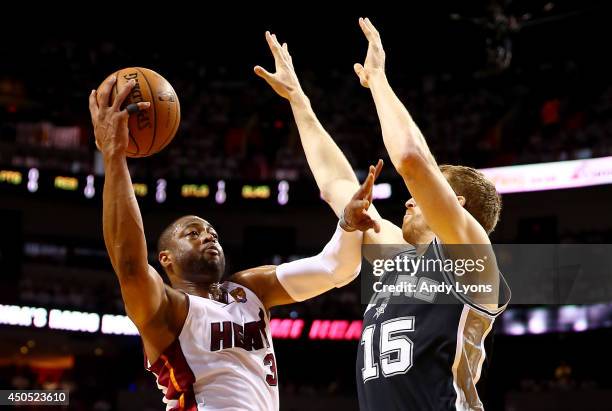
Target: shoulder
x=264 y=283
x=255 y=279
x=178 y=308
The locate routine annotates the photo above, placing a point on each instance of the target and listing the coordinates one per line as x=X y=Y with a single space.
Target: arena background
x=533 y=87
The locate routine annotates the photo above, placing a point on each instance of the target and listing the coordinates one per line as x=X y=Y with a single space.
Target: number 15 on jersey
x=395 y=348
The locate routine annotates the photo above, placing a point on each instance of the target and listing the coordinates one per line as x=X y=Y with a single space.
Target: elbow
x=412 y=162
x=129 y=269
x=337 y=192
x=326 y=194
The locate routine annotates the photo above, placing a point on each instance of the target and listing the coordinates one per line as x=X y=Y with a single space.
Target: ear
x=165 y=259
x=461 y=200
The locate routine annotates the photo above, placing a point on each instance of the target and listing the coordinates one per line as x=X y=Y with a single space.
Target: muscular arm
x=142 y=289
x=332 y=171
x=411 y=156
x=144 y=294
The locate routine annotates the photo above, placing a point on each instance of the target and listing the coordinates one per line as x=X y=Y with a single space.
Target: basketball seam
x=129 y=132
x=116 y=88
x=135 y=143
x=176 y=123
x=154 y=110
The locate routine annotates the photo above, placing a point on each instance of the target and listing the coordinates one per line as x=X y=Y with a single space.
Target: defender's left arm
x=406 y=145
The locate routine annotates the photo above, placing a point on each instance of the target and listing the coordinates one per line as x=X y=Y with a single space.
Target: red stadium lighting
x=286 y=328
x=335 y=330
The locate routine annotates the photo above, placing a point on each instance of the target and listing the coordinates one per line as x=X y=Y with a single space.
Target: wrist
x=114 y=156
x=377 y=76
x=298 y=98
x=345 y=225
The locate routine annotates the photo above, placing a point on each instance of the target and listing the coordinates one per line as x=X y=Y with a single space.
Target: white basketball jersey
x=223 y=358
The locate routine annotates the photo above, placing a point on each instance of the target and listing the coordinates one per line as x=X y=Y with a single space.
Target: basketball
x=153 y=129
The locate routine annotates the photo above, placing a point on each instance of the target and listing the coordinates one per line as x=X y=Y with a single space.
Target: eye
x=214 y=235
x=193 y=234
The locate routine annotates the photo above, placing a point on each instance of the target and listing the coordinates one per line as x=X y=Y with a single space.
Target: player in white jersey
x=207 y=342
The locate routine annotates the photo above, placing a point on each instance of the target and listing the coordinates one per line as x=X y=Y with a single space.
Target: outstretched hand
x=110 y=122
x=355 y=215
x=284 y=81
x=375 y=58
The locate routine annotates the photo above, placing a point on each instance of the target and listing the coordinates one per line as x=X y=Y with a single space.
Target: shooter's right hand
x=109 y=121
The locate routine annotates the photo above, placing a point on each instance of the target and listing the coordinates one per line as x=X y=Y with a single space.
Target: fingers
x=93 y=105
x=374 y=172
x=263 y=73
x=134 y=108
x=369 y=30
x=359 y=70
x=369 y=188
x=104 y=91
x=275 y=40
x=369 y=183
x=365 y=191
x=366 y=30
x=367 y=223
x=122 y=95
x=372 y=28
x=378 y=168
x=363 y=204
x=280 y=53
x=123 y=116
x=286 y=53
x=376 y=226
x=365 y=188
x=274 y=46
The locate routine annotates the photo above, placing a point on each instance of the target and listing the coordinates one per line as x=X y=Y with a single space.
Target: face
x=413 y=224
x=197 y=254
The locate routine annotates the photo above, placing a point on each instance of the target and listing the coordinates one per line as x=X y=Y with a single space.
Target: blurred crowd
x=234 y=126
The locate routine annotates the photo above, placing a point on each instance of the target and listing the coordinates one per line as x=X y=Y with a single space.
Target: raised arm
x=332 y=171
x=142 y=289
x=335 y=266
x=442 y=209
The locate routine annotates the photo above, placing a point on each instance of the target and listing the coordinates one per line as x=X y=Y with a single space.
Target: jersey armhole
x=504 y=289
x=147 y=365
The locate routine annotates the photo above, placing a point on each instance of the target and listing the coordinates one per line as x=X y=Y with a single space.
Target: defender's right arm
x=142 y=288
x=332 y=171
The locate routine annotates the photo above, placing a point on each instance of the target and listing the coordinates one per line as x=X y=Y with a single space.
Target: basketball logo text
x=142 y=117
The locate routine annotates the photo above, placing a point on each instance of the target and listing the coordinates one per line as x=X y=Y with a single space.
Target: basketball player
x=415 y=353
x=208 y=342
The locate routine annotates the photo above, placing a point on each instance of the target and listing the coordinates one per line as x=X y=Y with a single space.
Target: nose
x=207 y=237
x=410 y=203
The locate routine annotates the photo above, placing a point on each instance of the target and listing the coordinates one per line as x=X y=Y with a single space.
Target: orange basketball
x=153 y=129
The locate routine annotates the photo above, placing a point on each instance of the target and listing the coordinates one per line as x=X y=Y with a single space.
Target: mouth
x=212 y=249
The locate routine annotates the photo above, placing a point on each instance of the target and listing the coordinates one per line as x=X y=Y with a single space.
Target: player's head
x=475 y=192
x=189 y=249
